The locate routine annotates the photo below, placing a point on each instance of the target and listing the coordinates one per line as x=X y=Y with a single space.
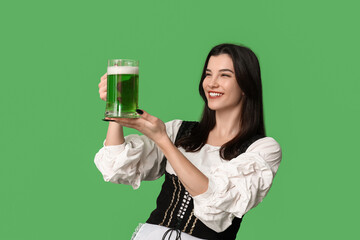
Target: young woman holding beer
x=216 y=169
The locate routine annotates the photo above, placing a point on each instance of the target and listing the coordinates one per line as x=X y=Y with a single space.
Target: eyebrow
x=222 y=70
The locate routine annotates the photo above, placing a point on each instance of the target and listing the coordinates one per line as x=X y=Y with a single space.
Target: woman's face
x=220 y=86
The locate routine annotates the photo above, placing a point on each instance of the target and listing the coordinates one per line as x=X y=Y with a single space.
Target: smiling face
x=220 y=86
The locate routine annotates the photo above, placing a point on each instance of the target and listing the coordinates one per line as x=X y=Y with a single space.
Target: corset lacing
x=170 y=231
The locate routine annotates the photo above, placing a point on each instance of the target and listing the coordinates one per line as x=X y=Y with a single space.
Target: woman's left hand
x=147 y=124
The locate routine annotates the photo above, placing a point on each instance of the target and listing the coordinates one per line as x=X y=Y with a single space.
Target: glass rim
x=123 y=59
x=123 y=62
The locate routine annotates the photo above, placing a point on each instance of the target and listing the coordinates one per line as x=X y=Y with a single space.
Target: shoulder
x=179 y=128
x=173 y=124
x=267 y=144
x=172 y=128
x=269 y=150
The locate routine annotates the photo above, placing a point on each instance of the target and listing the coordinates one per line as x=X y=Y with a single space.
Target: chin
x=213 y=107
x=219 y=106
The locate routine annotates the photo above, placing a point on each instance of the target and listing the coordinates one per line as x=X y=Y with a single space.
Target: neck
x=227 y=122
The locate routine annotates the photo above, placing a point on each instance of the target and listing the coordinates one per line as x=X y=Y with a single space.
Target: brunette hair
x=247 y=73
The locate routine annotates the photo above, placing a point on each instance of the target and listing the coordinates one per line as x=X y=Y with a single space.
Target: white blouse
x=234 y=188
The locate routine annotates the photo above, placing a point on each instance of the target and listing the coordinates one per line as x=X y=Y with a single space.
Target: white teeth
x=212 y=94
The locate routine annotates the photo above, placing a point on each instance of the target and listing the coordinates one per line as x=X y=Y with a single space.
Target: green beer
x=122 y=91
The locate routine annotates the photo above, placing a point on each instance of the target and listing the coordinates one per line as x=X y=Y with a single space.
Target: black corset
x=175 y=207
x=175 y=210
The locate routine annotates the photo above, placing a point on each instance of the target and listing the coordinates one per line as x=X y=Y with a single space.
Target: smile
x=215 y=94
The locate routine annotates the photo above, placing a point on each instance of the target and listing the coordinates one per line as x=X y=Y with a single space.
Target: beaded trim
x=177 y=201
x=184 y=205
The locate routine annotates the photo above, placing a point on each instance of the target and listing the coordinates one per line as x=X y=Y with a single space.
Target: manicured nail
x=139 y=111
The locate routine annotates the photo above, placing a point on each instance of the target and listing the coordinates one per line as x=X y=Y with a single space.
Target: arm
x=127 y=160
x=138 y=158
x=115 y=134
x=231 y=189
x=239 y=185
x=192 y=178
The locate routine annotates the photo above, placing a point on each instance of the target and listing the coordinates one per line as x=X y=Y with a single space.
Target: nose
x=213 y=82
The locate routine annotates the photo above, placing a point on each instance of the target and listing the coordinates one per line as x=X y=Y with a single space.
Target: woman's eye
x=207 y=74
x=225 y=75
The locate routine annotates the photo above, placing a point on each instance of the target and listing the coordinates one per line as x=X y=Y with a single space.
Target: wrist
x=163 y=141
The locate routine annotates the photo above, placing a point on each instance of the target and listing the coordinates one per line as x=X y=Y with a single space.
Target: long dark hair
x=247 y=73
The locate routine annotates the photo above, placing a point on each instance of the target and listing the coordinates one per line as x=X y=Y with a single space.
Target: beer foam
x=122 y=70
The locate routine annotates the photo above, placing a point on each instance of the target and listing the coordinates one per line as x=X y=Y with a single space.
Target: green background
x=52 y=57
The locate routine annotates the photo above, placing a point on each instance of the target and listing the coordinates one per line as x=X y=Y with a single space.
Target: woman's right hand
x=103 y=87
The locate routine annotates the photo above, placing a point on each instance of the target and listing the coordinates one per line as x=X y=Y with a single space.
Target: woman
x=215 y=170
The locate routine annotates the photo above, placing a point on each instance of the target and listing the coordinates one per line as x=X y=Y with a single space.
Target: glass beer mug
x=122 y=88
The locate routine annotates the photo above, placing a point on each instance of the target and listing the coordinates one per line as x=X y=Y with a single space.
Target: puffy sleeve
x=238 y=185
x=137 y=159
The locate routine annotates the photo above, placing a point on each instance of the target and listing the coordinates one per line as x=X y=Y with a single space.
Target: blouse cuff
x=114 y=149
x=205 y=208
x=233 y=189
x=203 y=198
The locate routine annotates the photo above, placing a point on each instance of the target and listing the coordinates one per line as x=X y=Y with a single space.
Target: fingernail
x=139 y=111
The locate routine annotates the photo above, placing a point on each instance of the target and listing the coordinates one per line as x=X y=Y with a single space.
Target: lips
x=213 y=94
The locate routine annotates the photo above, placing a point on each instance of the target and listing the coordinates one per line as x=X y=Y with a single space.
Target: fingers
x=147 y=124
x=127 y=122
x=103 y=93
x=145 y=115
x=103 y=81
x=103 y=77
x=103 y=87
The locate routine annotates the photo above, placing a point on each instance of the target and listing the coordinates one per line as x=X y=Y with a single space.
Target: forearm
x=191 y=177
x=115 y=134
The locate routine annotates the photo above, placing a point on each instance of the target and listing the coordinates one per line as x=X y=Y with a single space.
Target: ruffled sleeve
x=238 y=185
x=137 y=159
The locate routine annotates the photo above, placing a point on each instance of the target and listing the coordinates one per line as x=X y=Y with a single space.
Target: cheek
x=204 y=85
x=237 y=93
x=229 y=86
x=235 y=90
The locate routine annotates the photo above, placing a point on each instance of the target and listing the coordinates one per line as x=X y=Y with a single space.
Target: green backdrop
x=54 y=52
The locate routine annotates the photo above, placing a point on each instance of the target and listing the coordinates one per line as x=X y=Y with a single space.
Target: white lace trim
x=136 y=231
